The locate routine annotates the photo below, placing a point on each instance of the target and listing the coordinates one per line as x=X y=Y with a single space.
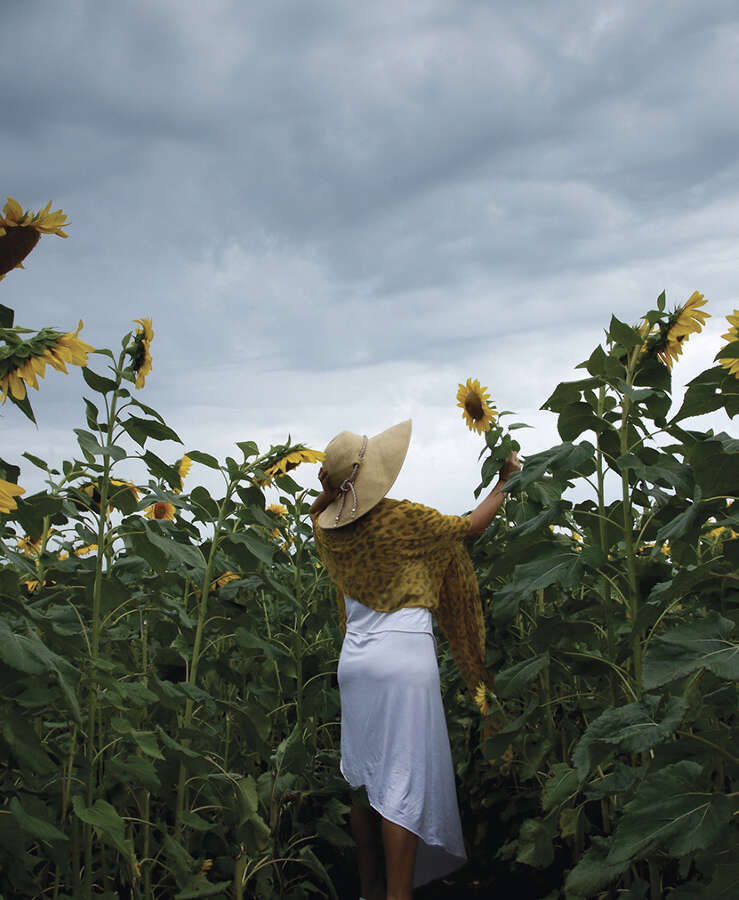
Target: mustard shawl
x=402 y=554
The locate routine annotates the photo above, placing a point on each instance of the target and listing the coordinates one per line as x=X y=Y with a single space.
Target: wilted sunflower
x=160 y=510
x=20 y=232
x=224 y=579
x=30 y=359
x=8 y=493
x=681 y=323
x=481 y=699
x=732 y=335
x=292 y=460
x=141 y=361
x=474 y=400
x=29 y=547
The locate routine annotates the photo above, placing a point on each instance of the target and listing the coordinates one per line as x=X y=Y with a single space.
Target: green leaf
x=89 y=444
x=175 y=552
x=26 y=745
x=141 y=429
x=715 y=465
x=204 y=459
x=36 y=460
x=108 y=825
x=535 y=844
x=671 y=811
x=199 y=886
x=291 y=752
x=705 y=643
x=556 y=567
x=6 y=316
x=135 y=771
x=145 y=740
x=253 y=543
x=511 y=682
x=623 y=334
x=579 y=417
x=97 y=382
x=37 y=828
x=593 y=871
x=562 y=784
x=158 y=468
x=635 y=727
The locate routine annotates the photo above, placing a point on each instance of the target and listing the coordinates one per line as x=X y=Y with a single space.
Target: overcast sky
x=334 y=212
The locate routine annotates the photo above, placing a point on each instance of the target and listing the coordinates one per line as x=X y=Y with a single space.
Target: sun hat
x=363 y=470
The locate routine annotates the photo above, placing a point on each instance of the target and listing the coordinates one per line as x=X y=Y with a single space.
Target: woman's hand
x=511 y=465
x=327 y=496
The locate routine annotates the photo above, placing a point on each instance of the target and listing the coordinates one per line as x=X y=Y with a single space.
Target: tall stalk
x=97 y=591
x=195 y=657
x=633 y=592
x=605 y=584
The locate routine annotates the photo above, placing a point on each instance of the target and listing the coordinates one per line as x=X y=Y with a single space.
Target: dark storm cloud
x=327 y=187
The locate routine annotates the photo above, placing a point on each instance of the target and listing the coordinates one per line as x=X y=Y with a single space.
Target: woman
x=394 y=563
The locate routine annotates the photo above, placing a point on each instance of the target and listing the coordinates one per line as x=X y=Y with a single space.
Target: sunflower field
x=169 y=712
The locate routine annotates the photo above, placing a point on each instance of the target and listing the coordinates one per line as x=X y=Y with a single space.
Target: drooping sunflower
x=292 y=460
x=160 y=510
x=224 y=579
x=474 y=401
x=730 y=363
x=20 y=232
x=30 y=358
x=28 y=547
x=141 y=361
x=8 y=493
x=183 y=467
x=681 y=323
x=481 y=699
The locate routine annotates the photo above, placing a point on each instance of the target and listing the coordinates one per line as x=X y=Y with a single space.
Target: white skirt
x=394 y=739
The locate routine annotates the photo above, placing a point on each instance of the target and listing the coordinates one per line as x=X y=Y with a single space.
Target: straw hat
x=363 y=469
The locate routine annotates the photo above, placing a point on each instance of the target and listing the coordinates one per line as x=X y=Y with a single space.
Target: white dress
x=394 y=739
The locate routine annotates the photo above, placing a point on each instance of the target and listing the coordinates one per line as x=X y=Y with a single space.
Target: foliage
x=170 y=713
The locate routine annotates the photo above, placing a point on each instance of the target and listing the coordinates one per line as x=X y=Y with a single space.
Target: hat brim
x=385 y=455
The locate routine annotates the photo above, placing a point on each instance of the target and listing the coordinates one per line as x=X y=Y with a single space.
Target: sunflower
x=20 y=232
x=29 y=547
x=481 y=699
x=8 y=493
x=183 y=467
x=731 y=363
x=681 y=323
x=277 y=509
x=29 y=363
x=474 y=400
x=141 y=360
x=225 y=578
x=292 y=460
x=160 y=510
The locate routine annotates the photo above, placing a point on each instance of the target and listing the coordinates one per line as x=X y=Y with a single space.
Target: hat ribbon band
x=348 y=483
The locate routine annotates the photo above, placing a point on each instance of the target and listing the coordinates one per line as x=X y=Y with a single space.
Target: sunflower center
x=160 y=510
x=473 y=405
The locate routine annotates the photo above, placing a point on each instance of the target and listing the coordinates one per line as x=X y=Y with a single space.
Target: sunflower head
x=141 y=361
x=731 y=364
x=20 y=232
x=474 y=401
x=160 y=510
x=277 y=509
x=671 y=333
x=292 y=460
x=183 y=467
x=481 y=699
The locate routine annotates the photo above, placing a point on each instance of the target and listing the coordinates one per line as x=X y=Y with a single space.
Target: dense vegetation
x=168 y=702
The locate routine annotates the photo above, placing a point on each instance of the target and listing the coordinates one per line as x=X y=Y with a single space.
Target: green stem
x=606 y=587
x=95 y=626
x=195 y=658
x=628 y=530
